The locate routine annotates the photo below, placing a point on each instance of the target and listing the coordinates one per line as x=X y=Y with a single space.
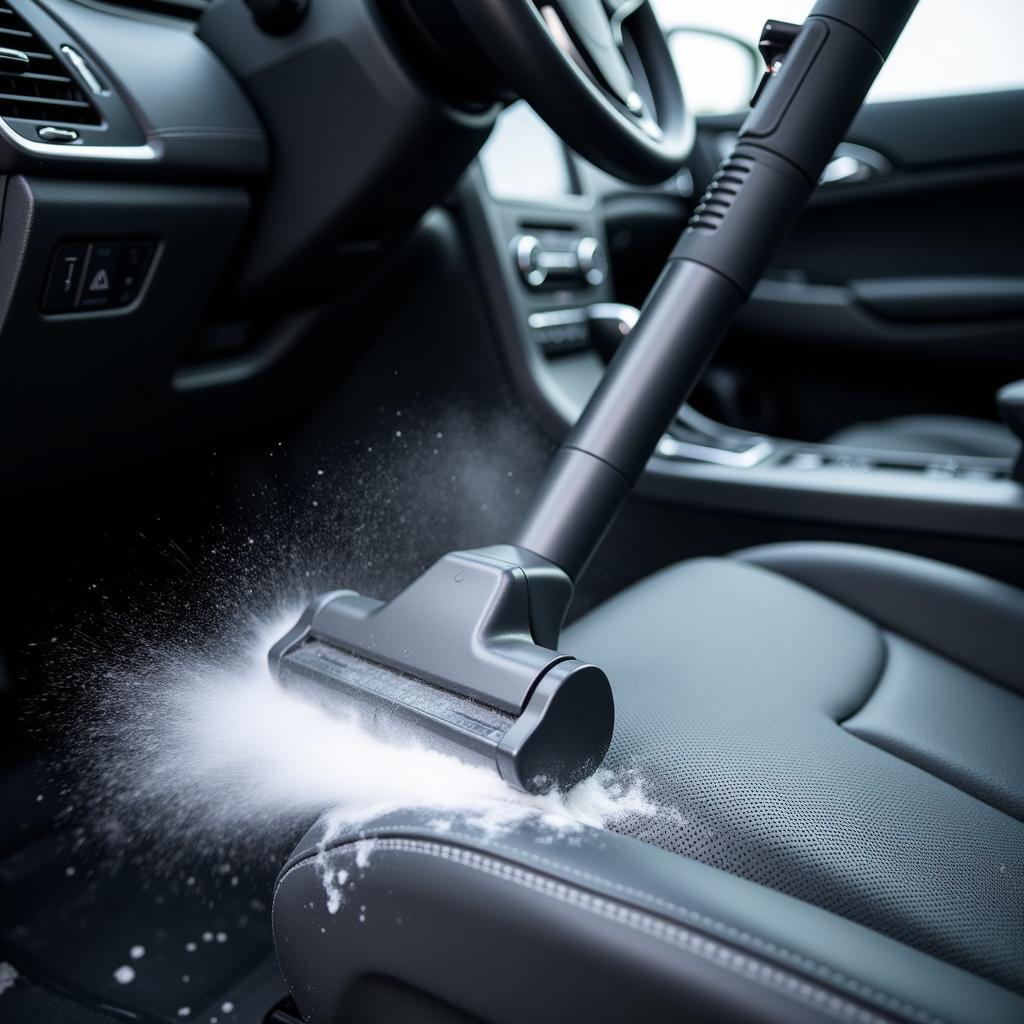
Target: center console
x=534 y=217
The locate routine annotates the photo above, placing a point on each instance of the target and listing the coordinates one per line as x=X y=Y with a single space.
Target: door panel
x=899 y=293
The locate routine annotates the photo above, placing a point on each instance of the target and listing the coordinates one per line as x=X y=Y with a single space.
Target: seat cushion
x=939 y=435
x=826 y=733
x=821 y=753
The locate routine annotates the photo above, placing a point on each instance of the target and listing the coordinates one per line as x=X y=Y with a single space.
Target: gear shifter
x=1011 y=405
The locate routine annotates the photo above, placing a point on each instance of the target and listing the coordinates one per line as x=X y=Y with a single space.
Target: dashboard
x=545 y=224
x=158 y=251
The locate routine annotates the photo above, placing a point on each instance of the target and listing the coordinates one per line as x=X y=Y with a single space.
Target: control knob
x=592 y=261
x=529 y=257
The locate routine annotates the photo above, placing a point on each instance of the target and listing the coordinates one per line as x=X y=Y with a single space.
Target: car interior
x=636 y=308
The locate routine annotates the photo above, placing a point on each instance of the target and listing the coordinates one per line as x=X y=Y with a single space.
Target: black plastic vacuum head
x=462 y=660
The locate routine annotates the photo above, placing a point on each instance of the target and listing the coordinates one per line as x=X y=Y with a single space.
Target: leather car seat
x=838 y=732
x=937 y=435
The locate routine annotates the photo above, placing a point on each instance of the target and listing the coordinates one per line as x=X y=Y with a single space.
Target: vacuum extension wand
x=466 y=656
x=818 y=78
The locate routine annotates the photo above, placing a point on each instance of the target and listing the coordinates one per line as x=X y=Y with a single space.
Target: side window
x=949 y=48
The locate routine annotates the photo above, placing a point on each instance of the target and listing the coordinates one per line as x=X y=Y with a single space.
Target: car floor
x=96 y=931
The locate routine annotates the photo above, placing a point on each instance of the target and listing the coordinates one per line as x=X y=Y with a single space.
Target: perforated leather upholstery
x=835 y=730
x=821 y=754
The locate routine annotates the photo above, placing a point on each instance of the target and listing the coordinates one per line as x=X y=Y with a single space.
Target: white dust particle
x=224 y=750
x=332 y=884
x=202 y=739
x=363 y=850
x=124 y=975
x=8 y=976
x=184 y=1011
x=227 y=1007
x=207 y=936
x=190 y=947
x=222 y=936
x=70 y=871
x=137 y=952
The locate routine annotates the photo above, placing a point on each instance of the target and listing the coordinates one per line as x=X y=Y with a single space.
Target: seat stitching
x=763 y=945
x=756 y=970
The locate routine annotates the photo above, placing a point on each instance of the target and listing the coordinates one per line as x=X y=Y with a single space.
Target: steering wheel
x=598 y=71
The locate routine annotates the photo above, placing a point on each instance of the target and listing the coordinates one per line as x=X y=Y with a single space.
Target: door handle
x=851 y=164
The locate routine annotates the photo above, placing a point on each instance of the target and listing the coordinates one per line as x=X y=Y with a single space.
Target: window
x=948 y=48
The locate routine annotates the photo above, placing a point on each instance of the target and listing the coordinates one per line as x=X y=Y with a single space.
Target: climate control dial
x=529 y=257
x=592 y=260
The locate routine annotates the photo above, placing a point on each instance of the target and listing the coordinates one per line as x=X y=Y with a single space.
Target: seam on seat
x=905 y=758
x=743 y=964
x=851 y=985
x=928 y=771
x=792 y=576
x=886 y=658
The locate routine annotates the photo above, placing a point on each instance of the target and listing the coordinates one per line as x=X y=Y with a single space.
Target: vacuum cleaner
x=466 y=657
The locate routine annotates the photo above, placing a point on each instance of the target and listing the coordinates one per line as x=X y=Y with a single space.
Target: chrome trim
x=10 y=57
x=85 y=72
x=51 y=133
x=557 y=259
x=851 y=163
x=627 y=316
x=556 y=318
x=133 y=154
x=760 y=449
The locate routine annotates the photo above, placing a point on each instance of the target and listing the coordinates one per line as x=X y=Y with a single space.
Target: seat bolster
x=533 y=925
x=968 y=618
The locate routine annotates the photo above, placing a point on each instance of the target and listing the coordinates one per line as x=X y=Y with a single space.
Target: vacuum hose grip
x=799 y=116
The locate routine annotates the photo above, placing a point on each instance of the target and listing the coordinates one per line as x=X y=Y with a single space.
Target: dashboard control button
x=98 y=280
x=529 y=253
x=592 y=261
x=65 y=273
x=62 y=136
x=131 y=271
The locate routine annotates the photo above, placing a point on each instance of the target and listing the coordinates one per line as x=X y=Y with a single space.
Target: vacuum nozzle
x=461 y=660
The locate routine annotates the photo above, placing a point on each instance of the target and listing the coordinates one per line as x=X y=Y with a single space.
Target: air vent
x=45 y=92
x=720 y=194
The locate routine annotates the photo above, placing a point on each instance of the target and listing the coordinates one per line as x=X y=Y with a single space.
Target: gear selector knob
x=1011 y=405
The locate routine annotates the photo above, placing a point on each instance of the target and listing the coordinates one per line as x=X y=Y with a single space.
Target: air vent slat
x=46 y=92
x=35 y=76
x=50 y=101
